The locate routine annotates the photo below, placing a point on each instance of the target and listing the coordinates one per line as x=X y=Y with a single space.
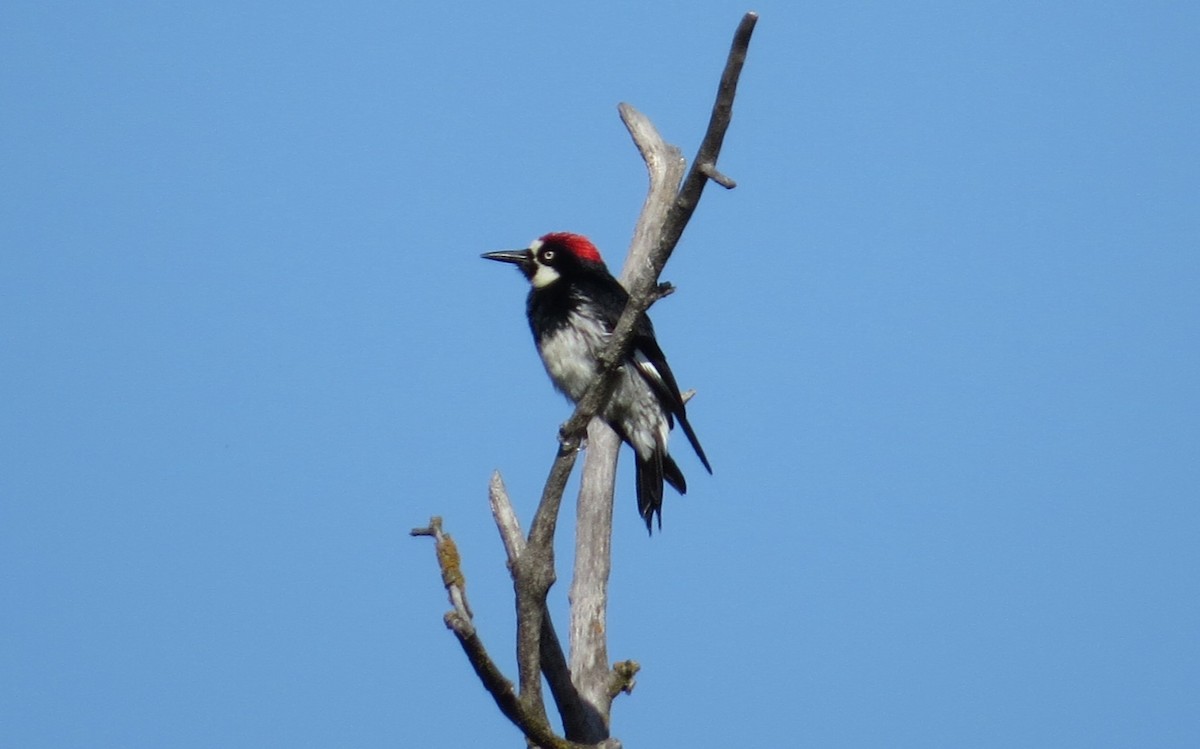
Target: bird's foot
x=570 y=442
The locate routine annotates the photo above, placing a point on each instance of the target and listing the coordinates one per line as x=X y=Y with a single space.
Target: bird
x=573 y=305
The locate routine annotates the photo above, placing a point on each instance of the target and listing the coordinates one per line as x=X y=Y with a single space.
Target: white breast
x=570 y=358
x=570 y=352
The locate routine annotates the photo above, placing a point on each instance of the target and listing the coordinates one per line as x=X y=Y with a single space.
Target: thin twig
x=450 y=564
x=710 y=171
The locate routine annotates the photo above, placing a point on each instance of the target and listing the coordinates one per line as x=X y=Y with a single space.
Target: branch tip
x=433 y=529
x=623 y=680
x=710 y=171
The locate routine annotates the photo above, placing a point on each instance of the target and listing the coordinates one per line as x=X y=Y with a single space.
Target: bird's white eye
x=547 y=255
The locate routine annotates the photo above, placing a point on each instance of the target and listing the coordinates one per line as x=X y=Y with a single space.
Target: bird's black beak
x=517 y=257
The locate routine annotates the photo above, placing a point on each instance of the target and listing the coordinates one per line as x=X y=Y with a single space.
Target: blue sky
x=945 y=334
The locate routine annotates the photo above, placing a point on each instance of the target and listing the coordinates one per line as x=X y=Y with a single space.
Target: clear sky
x=945 y=335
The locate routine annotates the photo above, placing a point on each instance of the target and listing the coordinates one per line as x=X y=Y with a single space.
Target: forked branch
x=584 y=693
x=665 y=213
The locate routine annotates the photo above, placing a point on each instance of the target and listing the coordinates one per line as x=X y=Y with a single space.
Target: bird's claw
x=570 y=442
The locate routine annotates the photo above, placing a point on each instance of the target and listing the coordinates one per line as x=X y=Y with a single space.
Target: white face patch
x=544 y=275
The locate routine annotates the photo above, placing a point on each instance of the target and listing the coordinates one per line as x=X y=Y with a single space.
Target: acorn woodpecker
x=573 y=306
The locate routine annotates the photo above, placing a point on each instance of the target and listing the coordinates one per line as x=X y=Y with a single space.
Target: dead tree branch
x=584 y=691
x=594 y=508
x=576 y=714
x=460 y=620
x=665 y=213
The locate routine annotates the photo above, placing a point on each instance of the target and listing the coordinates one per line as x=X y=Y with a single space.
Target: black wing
x=652 y=364
x=610 y=297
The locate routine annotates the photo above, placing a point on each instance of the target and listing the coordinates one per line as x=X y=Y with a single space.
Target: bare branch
x=450 y=563
x=718 y=124
x=665 y=166
x=506 y=518
x=460 y=621
x=533 y=576
x=578 y=717
x=659 y=227
x=585 y=700
x=665 y=214
x=593 y=563
x=710 y=171
x=637 y=281
x=486 y=669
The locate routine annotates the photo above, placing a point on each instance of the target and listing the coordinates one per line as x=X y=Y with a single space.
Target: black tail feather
x=673 y=475
x=687 y=429
x=650 y=489
x=650 y=477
